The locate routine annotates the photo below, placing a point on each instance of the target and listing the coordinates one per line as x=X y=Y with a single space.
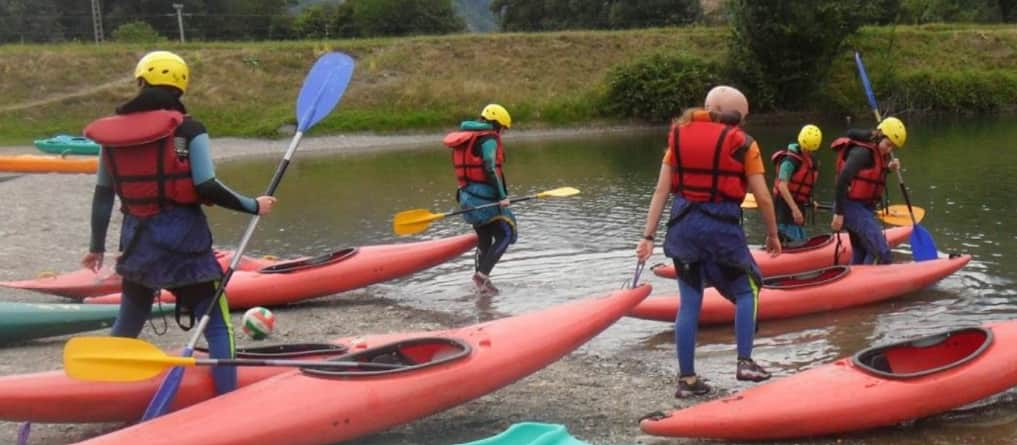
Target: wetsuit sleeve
x=102 y=208
x=857 y=159
x=203 y=174
x=489 y=148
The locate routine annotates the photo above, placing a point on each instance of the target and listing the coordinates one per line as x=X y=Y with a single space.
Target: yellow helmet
x=163 y=68
x=810 y=137
x=497 y=113
x=893 y=129
x=724 y=99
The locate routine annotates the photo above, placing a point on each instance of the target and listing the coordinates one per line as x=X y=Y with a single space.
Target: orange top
x=753 y=160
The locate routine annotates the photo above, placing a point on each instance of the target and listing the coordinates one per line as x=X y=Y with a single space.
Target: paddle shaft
x=292 y=363
x=863 y=74
x=512 y=200
x=248 y=233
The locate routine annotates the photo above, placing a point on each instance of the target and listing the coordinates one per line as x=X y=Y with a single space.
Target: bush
x=657 y=88
x=959 y=92
x=137 y=32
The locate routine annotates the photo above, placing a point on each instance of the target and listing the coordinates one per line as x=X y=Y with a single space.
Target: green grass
x=400 y=84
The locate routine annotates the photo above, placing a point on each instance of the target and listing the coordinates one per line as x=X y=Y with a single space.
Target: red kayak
x=817 y=252
x=85 y=283
x=880 y=386
x=290 y=281
x=501 y=351
x=831 y=288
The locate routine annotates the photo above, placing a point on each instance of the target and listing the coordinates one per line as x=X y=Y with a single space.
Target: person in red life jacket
x=478 y=157
x=156 y=159
x=709 y=165
x=797 y=172
x=863 y=158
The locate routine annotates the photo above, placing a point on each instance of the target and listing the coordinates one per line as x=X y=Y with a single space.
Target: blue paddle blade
x=323 y=88
x=923 y=248
x=865 y=81
x=160 y=403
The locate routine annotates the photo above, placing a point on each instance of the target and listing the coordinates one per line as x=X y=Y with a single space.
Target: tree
x=30 y=21
x=781 y=51
x=542 y=15
x=650 y=13
x=404 y=17
x=136 y=32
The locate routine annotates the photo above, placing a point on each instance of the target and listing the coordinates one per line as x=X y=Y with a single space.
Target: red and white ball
x=258 y=322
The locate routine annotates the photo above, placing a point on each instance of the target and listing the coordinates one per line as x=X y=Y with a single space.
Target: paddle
x=322 y=89
x=922 y=246
x=639 y=271
x=894 y=215
x=409 y=222
x=122 y=359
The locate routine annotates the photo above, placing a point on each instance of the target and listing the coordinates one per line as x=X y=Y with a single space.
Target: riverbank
x=247 y=89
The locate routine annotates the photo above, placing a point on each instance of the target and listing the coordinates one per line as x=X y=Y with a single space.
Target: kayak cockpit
x=308 y=263
x=408 y=355
x=926 y=355
x=806 y=279
x=810 y=244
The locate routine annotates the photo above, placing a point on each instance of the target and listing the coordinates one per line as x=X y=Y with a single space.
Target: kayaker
x=477 y=157
x=863 y=157
x=156 y=159
x=709 y=164
x=797 y=172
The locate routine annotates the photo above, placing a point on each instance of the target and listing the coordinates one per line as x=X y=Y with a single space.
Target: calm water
x=960 y=171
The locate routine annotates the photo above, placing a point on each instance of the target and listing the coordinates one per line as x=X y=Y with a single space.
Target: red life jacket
x=708 y=160
x=466 y=159
x=147 y=173
x=803 y=179
x=869 y=183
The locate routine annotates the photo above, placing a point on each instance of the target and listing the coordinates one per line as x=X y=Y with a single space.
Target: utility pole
x=97 y=20
x=180 y=19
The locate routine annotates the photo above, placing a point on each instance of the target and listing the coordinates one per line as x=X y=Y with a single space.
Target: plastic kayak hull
x=26 y=321
x=859 y=285
x=801 y=259
x=957 y=368
x=531 y=433
x=297 y=408
x=67 y=144
x=84 y=283
x=47 y=164
x=338 y=272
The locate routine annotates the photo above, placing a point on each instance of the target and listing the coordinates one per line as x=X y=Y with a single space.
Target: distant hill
x=476 y=13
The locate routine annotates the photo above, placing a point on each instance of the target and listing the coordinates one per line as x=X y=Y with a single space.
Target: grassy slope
x=248 y=89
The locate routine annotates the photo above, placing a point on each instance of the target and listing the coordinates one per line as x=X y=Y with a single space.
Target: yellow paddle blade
x=409 y=222
x=560 y=192
x=897 y=214
x=749 y=202
x=116 y=359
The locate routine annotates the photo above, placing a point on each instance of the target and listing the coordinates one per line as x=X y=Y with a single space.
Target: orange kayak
x=48 y=164
x=815 y=253
x=439 y=370
x=879 y=386
x=831 y=288
x=446 y=368
x=52 y=397
x=85 y=283
x=347 y=269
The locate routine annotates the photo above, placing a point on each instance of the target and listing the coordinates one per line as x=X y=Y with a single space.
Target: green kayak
x=67 y=144
x=531 y=433
x=25 y=321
